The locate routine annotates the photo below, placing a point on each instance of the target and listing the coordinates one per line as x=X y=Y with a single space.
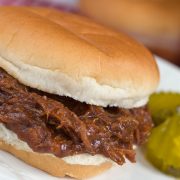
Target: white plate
x=14 y=169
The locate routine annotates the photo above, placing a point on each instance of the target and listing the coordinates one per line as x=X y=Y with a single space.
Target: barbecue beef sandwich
x=73 y=93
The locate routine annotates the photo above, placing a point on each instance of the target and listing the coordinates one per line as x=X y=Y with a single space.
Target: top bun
x=70 y=55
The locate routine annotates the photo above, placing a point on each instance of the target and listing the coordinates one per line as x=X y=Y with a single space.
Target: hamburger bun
x=77 y=57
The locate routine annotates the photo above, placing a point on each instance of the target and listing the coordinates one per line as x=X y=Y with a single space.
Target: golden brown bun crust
x=147 y=17
x=55 y=166
x=95 y=57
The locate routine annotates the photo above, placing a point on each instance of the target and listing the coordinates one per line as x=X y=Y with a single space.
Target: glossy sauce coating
x=62 y=126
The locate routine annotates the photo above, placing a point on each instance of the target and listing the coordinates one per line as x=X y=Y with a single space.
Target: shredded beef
x=63 y=126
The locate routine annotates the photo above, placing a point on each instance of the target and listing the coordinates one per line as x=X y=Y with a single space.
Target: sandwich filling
x=62 y=126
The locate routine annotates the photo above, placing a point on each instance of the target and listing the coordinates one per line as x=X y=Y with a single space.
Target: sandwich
x=73 y=93
x=155 y=23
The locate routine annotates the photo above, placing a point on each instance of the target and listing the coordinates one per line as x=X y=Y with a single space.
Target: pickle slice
x=163 y=105
x=163 y=147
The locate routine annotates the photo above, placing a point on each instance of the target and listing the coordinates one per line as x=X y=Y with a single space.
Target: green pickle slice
x=163 y=105
x=163 y=147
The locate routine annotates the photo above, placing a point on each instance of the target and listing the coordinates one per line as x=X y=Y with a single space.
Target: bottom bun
x=54 y=165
